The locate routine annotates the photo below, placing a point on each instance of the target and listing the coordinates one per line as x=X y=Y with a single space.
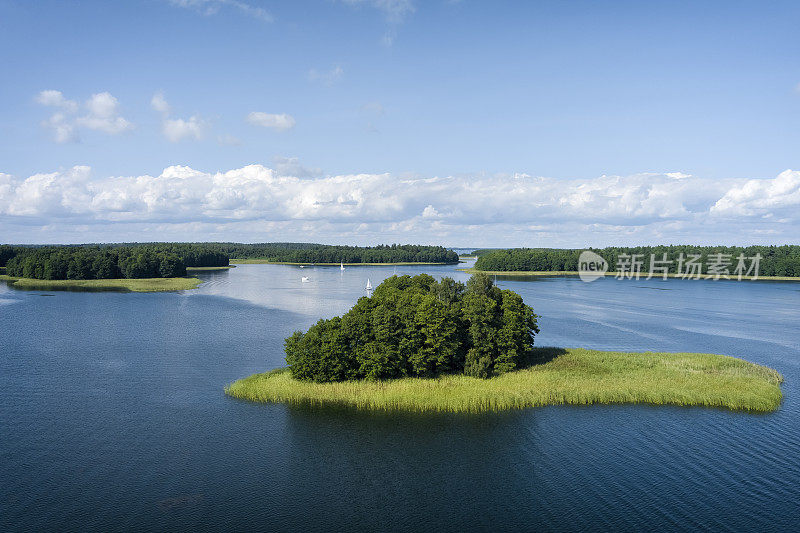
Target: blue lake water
x=113 y=417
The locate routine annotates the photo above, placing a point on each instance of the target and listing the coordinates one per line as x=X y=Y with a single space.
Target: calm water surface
x=113 y=417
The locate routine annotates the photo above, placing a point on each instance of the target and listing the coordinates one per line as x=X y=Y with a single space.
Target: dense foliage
x=218 y=253
x=96 y=263
x=775 y=260
x=418 y=327
x=323 y=253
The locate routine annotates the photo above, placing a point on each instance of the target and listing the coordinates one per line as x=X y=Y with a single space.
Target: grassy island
x=125 y=284
x=552 y=377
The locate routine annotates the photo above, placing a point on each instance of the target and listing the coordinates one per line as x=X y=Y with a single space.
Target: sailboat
x=304 y=279
x=369 y=288
x=341 y=266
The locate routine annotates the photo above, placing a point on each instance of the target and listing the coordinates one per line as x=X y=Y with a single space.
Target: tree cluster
x=417 y=326
x=95 y=263
x=322 y=253
x=219 y=253
x=775 y=260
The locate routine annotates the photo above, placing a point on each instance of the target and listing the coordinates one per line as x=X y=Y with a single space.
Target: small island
x=128 y=268
x=427 y=346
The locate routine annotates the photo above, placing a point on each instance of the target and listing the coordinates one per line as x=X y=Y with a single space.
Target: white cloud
x=178 y=129
x=56 y=99
x=327 y=78
x=480 y=209
x=212 y=7
x=101 y=113
x=776 y=197
x=159 y=103
x=278 y=122
x=291 y=166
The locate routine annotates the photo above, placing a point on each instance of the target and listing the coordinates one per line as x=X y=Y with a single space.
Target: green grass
x=642 y=275
x=568 y=376
x=127 y=285
x=270 y=262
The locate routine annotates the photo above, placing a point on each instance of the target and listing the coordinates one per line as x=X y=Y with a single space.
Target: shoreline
x=569 y=376
x=209 y=269
x=642 y=276
x=268 y=262
x=115 y=285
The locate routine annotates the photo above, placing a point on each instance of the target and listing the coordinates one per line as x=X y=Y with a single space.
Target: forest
x=107 y=262
x=418 y=327
x=325 y=253
x=775 y=260
x=152 y=260
x=219 y=253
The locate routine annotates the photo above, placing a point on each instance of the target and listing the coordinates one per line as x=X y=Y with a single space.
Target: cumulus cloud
x=279 y=122
x=178 y=129
x=291 y=166
x=159 y=103
x=480 y=209
x=776 y=197
x=56 y=99
x=100 y=113
x=212 y=7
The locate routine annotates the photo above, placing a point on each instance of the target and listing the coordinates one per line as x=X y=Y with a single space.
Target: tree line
x=219 y=253
x=774 y=260
x=325 y=253
x=166 y=260
x=417 y=326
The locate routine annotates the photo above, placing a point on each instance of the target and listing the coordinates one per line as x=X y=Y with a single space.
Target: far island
x=156 y=267
x=742 y=263
x=442 y=346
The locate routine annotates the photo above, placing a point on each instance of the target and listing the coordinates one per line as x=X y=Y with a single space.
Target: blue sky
x=575 y=117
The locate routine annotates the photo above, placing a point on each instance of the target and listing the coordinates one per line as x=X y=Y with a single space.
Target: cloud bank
x=257 y=203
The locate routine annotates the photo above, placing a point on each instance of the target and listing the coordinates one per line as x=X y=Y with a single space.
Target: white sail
x=342 y=265
x=369 y=285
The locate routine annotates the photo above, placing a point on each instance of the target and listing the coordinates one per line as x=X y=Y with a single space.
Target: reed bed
x=129 y=285
x=575 y=377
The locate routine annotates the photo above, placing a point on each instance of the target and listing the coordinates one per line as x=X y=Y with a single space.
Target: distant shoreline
x=642 y=275
x=121 y=285
x=563 y=377
x=211 y=268
x=269 y=262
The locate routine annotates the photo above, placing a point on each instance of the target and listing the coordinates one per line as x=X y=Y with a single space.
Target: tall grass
x=570 y=376
x=132 y=285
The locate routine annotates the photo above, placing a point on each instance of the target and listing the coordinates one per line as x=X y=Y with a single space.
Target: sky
x=461 y=123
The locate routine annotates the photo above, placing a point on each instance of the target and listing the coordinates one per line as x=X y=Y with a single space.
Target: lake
x=114 y=418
